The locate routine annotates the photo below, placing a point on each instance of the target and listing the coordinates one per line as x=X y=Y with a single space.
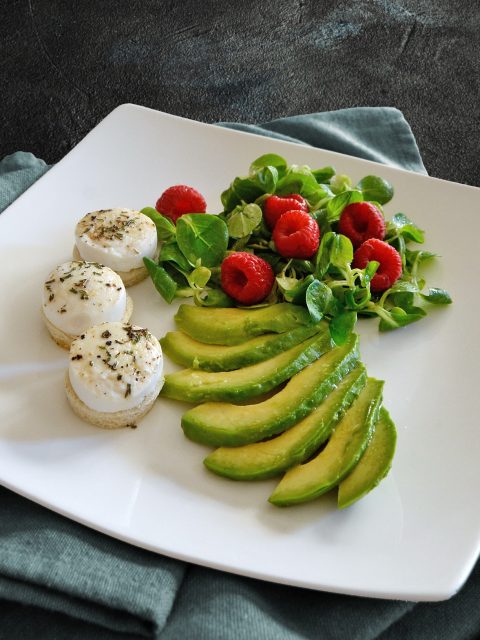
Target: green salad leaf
x=336 y=205
x=165 y=228
x=375 y=189
x=170 y=252
x=340 y=183
x=342 y=325
x=318 y=298
x=271 y=160
x=243 y=220
x=400 y=225
x=164 y=283
x=323 y=175
x=202 y=238
x=437 y=296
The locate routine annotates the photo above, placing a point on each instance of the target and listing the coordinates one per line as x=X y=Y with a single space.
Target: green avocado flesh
x=233 y=326
x=373 y=465
x=223 y=424
x=342 y=452
x=188 y=352
x=265 y=459
x=192 y=385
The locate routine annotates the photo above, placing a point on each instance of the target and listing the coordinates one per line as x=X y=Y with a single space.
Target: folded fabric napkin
x=98 y=587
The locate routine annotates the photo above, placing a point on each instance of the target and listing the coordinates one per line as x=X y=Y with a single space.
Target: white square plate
x=415 y=537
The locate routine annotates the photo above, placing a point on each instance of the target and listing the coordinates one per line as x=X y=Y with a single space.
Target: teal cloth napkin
x=60 y=580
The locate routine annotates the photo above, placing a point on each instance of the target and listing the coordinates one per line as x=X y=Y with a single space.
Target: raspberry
x=361 y=221
x=390 y=268
x=246 y=278
x=296 y=235
x=178 y=200
x=275 y=206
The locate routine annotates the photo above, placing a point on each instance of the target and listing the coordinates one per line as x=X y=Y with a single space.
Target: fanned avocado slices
x=194 y=354
x=271 y=457
x=223 y=424
x=342 y=452
x=236 y=354
x=192 y=385
x=373 y=465
x=233 y=326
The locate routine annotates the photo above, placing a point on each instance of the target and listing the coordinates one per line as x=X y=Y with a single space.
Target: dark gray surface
x=65 y=64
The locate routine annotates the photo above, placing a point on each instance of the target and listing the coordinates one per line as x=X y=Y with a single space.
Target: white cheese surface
x=114 y=366
x=78 y=295
x=118 y=238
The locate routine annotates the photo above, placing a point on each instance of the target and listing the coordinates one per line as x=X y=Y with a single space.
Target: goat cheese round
x=115 y=366
x=118 y=238
x=77 y=295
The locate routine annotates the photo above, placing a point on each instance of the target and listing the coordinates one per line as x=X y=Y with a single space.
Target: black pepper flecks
x=120 y=356
x=136 y=333
x=104 y=228
x=84 y=273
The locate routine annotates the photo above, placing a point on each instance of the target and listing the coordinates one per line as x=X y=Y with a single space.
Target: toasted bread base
x=129 y=278
x=116 y=420
x=64 y=340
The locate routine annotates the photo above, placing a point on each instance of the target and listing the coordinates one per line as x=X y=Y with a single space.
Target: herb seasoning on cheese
x=79 y=294
x=118 y=238
x=115 y=366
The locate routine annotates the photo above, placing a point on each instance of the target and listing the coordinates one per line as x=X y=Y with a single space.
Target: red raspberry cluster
x=361 y=221
x=295 y=233
x=390 y=268
x=275 y=206
x=246 y=278
x=364 y=224
x=178 y=200
x=249 y=279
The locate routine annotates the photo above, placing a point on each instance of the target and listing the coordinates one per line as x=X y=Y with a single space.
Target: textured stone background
x=65 y=64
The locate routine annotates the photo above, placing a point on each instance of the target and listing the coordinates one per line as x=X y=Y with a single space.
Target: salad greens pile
x=192 y=251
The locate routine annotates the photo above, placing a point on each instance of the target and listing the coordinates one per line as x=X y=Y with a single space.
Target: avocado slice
x=192 y=385
x=373 y=465
x=223 y=424
x=344 y=449
x=266 y=459
x=188 y=352
x=233 y=326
